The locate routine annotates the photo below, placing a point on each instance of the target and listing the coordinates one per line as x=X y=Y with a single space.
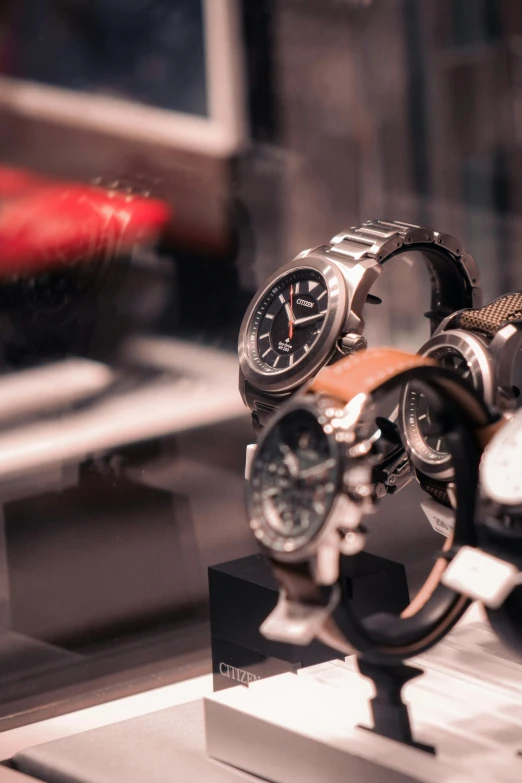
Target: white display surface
x=71 y=723
x=299 y=729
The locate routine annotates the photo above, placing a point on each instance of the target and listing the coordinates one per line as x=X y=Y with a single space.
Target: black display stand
x=243 y=593
x=390 y=714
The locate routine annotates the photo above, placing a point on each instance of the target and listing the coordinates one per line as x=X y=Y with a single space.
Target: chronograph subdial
x=288 y=321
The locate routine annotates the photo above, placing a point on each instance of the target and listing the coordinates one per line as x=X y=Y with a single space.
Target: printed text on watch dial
x=288 y=321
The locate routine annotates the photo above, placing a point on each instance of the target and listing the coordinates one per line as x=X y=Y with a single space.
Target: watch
x=310 y=312
x=500 y=525
x=311 y=483
x=481 y=345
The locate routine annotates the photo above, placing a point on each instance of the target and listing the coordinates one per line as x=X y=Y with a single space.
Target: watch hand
x=317 y=469
x=309 y=318
x=289 y=314
x=291 y=327
x=290 y=459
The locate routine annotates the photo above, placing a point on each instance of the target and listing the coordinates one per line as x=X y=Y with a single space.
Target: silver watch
x=310 y=312
x=481 y=345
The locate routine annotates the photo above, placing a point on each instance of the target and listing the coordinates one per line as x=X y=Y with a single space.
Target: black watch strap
x=490 y=318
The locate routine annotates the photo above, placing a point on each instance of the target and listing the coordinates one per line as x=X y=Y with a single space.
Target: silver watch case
x=348 y=284
x=491 y=366
x=323 y=547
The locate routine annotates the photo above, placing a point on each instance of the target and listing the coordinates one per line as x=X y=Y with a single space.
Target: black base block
x=243 y=593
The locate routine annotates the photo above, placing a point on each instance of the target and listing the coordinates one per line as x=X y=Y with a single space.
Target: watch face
x=430 y=448
x=287 y=321
x=501 y=465
x=294 y=481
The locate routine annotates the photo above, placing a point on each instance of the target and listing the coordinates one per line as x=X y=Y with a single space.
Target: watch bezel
x=475 y=353
x=304 y=546
x=291 y=377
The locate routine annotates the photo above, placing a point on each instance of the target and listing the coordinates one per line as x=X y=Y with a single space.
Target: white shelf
x=300 y=729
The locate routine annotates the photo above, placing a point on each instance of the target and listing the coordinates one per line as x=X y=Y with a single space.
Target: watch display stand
x=244 y=592
x=307 y=727
x=390 y=714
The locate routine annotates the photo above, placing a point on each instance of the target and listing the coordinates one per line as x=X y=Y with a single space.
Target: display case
x=160 y=163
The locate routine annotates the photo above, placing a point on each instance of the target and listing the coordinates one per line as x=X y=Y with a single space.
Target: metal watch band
x=490 y=318
x=454 y=273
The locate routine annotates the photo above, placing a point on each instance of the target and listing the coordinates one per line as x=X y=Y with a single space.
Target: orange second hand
x=291 y=330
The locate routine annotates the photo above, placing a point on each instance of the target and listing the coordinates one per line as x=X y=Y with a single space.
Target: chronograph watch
x=309 y=313
x=481 y=345
x=312 y=483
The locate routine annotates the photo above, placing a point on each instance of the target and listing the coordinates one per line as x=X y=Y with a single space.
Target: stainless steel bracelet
x=380 y=240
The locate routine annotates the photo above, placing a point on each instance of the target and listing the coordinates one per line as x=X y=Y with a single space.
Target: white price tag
x=441 y=519
x=481 y=577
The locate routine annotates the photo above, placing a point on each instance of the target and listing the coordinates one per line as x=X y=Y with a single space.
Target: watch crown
x=352 y=342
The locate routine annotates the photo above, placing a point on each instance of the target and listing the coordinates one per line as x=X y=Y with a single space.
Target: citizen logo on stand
x=240 y=675
x=304 y=302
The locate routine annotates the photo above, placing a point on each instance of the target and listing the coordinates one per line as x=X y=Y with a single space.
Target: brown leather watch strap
x=364 y=372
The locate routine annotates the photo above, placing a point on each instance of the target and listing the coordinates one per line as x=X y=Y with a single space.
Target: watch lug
x=360 y=276
x=503 y=349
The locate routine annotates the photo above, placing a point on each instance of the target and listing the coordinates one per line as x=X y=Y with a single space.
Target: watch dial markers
x=430 y=448
x=290 y=319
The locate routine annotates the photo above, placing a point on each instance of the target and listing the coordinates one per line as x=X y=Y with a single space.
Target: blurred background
x=158 y=160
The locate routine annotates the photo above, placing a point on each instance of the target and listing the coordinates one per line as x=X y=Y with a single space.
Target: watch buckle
x=295 y=622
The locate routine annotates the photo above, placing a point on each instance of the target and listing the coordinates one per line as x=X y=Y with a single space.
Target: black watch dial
x=430 y=447
x=288 y=321
x=293 y=481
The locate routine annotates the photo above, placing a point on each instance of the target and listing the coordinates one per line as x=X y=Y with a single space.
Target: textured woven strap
x=437 y=489
x=490 y=318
